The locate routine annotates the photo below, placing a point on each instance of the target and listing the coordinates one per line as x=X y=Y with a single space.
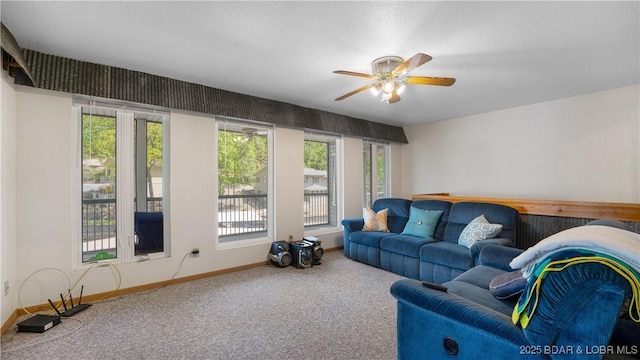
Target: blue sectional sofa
x=582 y=309
x=437 y=258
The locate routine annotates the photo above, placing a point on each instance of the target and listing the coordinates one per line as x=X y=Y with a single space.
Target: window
x=321 y=155
x=123 y=162
x=99 y=200
x=375 y=172
x=244 y=173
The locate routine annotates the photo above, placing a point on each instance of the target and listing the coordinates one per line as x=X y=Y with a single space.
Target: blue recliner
x=571 y=314
x=400 y=253
x=444 y=260
x=365 y=246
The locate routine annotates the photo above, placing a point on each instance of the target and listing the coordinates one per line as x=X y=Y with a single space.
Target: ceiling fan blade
x=411 y=63
x=355 y=91
x=344 y=72
x=394 y=97
x=426 y=80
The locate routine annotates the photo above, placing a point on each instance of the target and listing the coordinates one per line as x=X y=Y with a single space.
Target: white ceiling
x=503 y=54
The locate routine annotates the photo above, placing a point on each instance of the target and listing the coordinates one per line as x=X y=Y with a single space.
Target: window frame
x=373 y=148
x=238 y=240
x=125 y=115
x=335 y=185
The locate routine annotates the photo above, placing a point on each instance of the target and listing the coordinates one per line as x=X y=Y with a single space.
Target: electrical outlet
x=290 y=238
x=6 y=288
x=195 y=252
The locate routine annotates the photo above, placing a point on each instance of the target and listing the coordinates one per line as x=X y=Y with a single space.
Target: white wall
x=45 y=160
x=395 y=171
x=579 y=148
x=353 y=185
x=8 y=242
x=44 y=142
x=289 y=184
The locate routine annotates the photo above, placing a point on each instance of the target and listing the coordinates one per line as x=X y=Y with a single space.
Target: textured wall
x=533 y=228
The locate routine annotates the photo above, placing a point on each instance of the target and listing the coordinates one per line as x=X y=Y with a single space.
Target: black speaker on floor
x=279 y=254
x=317 y=250
x=301 y=254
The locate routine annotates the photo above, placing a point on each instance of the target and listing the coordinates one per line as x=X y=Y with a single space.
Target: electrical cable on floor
x=71 y=287
x=29 y=277
x=173 y=276
x=118 y=282
x=180 y=267
x=48 y=339
x=168 y=282
x=115 y=270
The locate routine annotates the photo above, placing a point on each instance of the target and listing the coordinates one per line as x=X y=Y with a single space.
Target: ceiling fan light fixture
x=385 y=65
x=388 y=85
x=375 y=90
x=400 y=88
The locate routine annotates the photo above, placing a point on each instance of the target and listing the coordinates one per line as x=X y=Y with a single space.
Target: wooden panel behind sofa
x=542 y=218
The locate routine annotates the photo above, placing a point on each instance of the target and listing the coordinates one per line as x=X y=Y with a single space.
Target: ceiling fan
x=390 y=77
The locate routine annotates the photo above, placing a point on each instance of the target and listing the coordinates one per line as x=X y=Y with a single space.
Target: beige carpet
x=338 y=310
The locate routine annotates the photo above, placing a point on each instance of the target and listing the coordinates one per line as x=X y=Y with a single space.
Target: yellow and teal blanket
x=560 y=260
x=616 y=248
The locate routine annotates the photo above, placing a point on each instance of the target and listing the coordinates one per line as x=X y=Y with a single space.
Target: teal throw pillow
x=422 y=223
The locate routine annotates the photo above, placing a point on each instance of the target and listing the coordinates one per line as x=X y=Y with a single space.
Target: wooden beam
x=562 y=208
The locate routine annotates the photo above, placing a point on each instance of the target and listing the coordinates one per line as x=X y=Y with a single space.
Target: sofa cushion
x=480 y=296
x=463 y=213
x=508 y=285
x=369 y=238
x=480 y=276
x=407 y=245
x=422 y=223
x=375 y=221
x=448 y=254
x=478 y=229
x=398 y=212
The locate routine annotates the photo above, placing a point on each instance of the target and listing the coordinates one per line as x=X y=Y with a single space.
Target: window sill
x=118 y=262
x=322 y=230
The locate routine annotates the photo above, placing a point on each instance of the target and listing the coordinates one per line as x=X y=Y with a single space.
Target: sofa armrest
x=350 y=225
x=353 y=224
x=457 y=308
x=475 y=249
x=498 y=256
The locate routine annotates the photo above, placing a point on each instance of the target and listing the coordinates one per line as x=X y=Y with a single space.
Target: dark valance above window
x=78 y=77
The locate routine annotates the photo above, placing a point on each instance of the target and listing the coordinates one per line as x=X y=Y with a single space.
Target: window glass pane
x=366 y=160
x=242 y=182
x=381 y=162
x=333 y=183
x=374 y=172
x=154 y=166
x=122 y=182
x=317 y=182
x=98 y=187
x=148 y=216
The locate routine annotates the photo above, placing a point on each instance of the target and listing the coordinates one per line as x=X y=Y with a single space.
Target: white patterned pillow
x=478 y=229
x=375 y=221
